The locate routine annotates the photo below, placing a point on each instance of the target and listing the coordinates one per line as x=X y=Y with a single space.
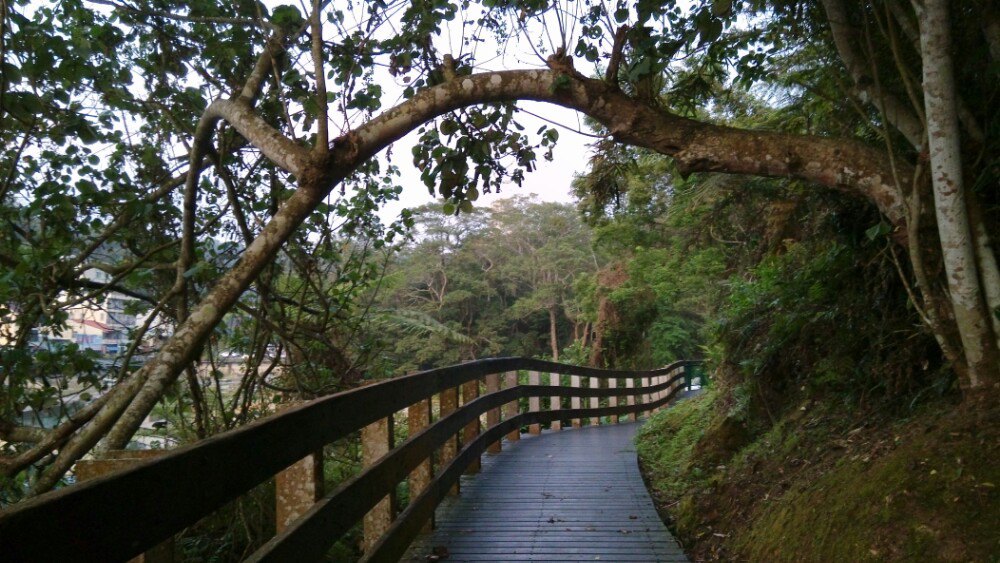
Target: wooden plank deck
x=574 y=495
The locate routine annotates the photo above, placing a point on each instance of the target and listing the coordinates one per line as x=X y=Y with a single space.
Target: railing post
x=660 y=379
x=470 y=391
x=574 y=402
x=685 y=383
x=645 y=396
x=493 y=415
x=555 y=403
x=376 y=441
x=510 y=410
x=676 y=385
x=630 y=398
x=418 y=417
x=656 y=394
x=296 y=489
x=448 y=403
x=673 y=385
x=682 y=384
x=666 y=392
x=594 y=401
x=118 y=460
x=534 y=402
x=613 y=400
x=665 y=378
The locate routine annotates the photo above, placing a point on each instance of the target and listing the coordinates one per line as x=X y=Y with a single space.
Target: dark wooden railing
x=127 y=513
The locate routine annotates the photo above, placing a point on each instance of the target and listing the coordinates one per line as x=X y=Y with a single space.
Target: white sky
x=550 y=181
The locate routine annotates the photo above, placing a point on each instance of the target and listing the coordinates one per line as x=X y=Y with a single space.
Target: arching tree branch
x=835 y=163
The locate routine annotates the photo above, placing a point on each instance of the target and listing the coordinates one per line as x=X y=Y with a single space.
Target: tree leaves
x=287 y=16
x=491 y=274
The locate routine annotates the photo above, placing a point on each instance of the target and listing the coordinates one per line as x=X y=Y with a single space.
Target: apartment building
x=102 y=324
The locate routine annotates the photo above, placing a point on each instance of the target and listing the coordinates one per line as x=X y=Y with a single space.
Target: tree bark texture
x=950 y=200
x=553 y=334
x=896 y=112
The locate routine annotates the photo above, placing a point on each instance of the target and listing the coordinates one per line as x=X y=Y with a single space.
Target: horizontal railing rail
x=122 y=515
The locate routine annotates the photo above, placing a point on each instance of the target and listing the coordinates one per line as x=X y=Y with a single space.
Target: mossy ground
x=829 y=483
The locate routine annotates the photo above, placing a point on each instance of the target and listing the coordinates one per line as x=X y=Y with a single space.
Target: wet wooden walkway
x=574 y=495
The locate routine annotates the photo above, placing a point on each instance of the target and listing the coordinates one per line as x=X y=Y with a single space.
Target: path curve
x=571 y=495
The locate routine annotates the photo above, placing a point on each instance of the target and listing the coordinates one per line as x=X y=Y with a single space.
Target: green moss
x=724 y=437
x=926 y=500
x=667 y=441
x=819 y=487
x=687 y=515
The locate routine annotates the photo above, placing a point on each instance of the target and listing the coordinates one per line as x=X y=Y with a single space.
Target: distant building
x=102 y=325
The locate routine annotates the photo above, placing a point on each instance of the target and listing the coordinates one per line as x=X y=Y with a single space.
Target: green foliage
x=787 y=284
x=97 y=108
x=783 y=287
x=833 y=518
x=787 y=290
x=661 y=287
x=784 y=296
x=666 y=444
x=826 y=310
x=490 y=280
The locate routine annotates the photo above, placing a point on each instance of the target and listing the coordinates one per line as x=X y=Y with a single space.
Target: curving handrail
x=122 y=515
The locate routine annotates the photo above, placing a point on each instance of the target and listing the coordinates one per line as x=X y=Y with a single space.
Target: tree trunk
x=553 y=334
x=896 y=112
x=986 y=261
x=957 y=242
x=125 y=411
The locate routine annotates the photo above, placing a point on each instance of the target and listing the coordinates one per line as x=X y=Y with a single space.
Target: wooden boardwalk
x=574 y=495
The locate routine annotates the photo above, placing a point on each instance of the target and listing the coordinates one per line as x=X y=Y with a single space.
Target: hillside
x=827 y=483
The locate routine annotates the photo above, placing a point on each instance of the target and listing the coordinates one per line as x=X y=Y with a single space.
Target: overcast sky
x=550 y=181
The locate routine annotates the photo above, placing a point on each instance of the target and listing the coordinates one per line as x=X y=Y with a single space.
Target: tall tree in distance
x=503 y=276
x=548 y=246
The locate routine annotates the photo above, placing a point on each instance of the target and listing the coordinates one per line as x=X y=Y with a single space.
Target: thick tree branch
x=904 y=19
x=276 y=147
x=53 y=438
x=265 y=63
x=617 y=52
x=951 y=203
x=15 y=433
x=840 y=164
x=836 y=163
